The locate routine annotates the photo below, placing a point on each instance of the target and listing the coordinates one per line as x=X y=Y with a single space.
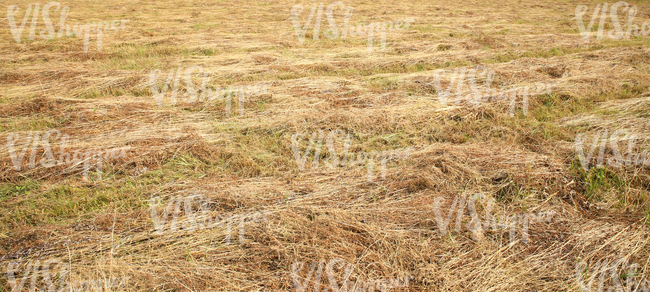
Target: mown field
x=219 y=188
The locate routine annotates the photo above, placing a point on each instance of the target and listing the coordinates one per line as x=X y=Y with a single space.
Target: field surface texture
x=324 y=146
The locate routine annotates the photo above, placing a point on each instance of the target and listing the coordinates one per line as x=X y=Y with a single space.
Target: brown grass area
x=385 y=227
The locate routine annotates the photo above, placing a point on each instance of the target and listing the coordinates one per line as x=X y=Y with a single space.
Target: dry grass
x=386 y=228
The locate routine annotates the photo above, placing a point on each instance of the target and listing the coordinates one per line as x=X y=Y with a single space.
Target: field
x=238 y=146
